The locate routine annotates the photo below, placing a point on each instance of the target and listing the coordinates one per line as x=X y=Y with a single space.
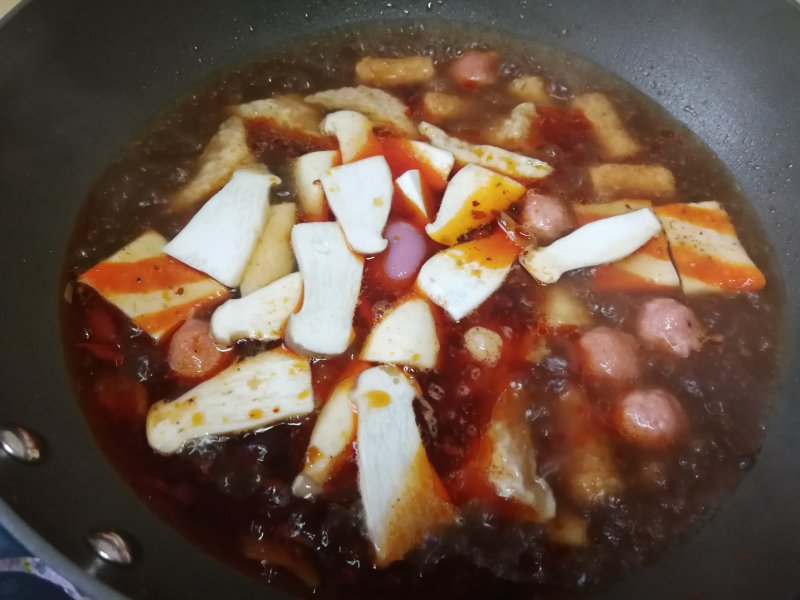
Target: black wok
x=77 y=79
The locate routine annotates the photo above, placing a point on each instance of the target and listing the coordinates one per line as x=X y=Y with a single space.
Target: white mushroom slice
x=596 y=243
x=331 y=284
x=512 y=460
x=461 y=278
x=360 y=195
x=222 y=235
x=333 y=433
x=491 y=157
x=261 y=315
x=437 y=159
x=381 y=107
x=406 y=335
x=410 y=184
x=307 y=170
x=224 y=153
x=473 y=198
x=403 y=498
x=353 y=131
x=258 y=391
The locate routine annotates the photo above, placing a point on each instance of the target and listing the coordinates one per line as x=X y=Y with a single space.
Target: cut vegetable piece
x=272 y=257
x=601 y=242
x=354 y=134
x=260 y=316
x=410 y=185
x=331 y=284
x=433 y=163
x=381 y=107
x=590 y=473
x=649 y=268
x=615 y=180
x=154 y=290
x=360 y=195
x=706 y=250
x=225 y=152
x=530 y=88
x=474 y=197
x=407 y=70
x=221 y=237
x=461 y=278
x=563 y=309
x=333 y=435
x=484 y=344
x=610 y=134
x=406 y=335
x=511 y=467
x=258 y=391
x=289 y=116
x=308 y=170
x=404 y=499
x=491 y=157
x=441 y=106
x=514 y=131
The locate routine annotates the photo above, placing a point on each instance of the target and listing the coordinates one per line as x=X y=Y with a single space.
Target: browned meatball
x=667 y=324
x=609 y=354
x=547 y=217
x=650 y=418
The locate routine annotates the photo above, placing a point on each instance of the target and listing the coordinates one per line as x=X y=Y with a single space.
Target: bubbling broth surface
x=232 y=495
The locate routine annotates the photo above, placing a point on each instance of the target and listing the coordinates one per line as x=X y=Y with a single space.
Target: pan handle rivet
x=21 y=443
x=111 y=546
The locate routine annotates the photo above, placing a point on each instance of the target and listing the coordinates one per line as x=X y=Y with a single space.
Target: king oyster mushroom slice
x=331 y=285
x=223 y=234
x=261 y=390
x=596 y=243
x=360 y=195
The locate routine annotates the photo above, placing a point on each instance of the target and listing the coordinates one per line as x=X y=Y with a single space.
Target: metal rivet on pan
x=111 y=546
x=21 y=444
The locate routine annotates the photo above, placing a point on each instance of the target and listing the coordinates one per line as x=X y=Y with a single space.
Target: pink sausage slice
x=609 y=354
x=407 y=249
x=193 y=353
x=475 y=69
x=669 y=325
x=649 y=418
x=547 y=217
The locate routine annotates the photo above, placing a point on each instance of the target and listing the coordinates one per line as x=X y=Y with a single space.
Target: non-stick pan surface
x=79 y=78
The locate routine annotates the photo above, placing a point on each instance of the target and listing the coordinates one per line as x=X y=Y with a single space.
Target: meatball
x=650 y=418
x=472 y=70
x=669 y=325
x=547 y=217
x=609 y=354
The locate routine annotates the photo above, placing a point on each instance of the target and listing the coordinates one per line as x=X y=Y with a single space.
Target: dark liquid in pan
x=226 y=491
